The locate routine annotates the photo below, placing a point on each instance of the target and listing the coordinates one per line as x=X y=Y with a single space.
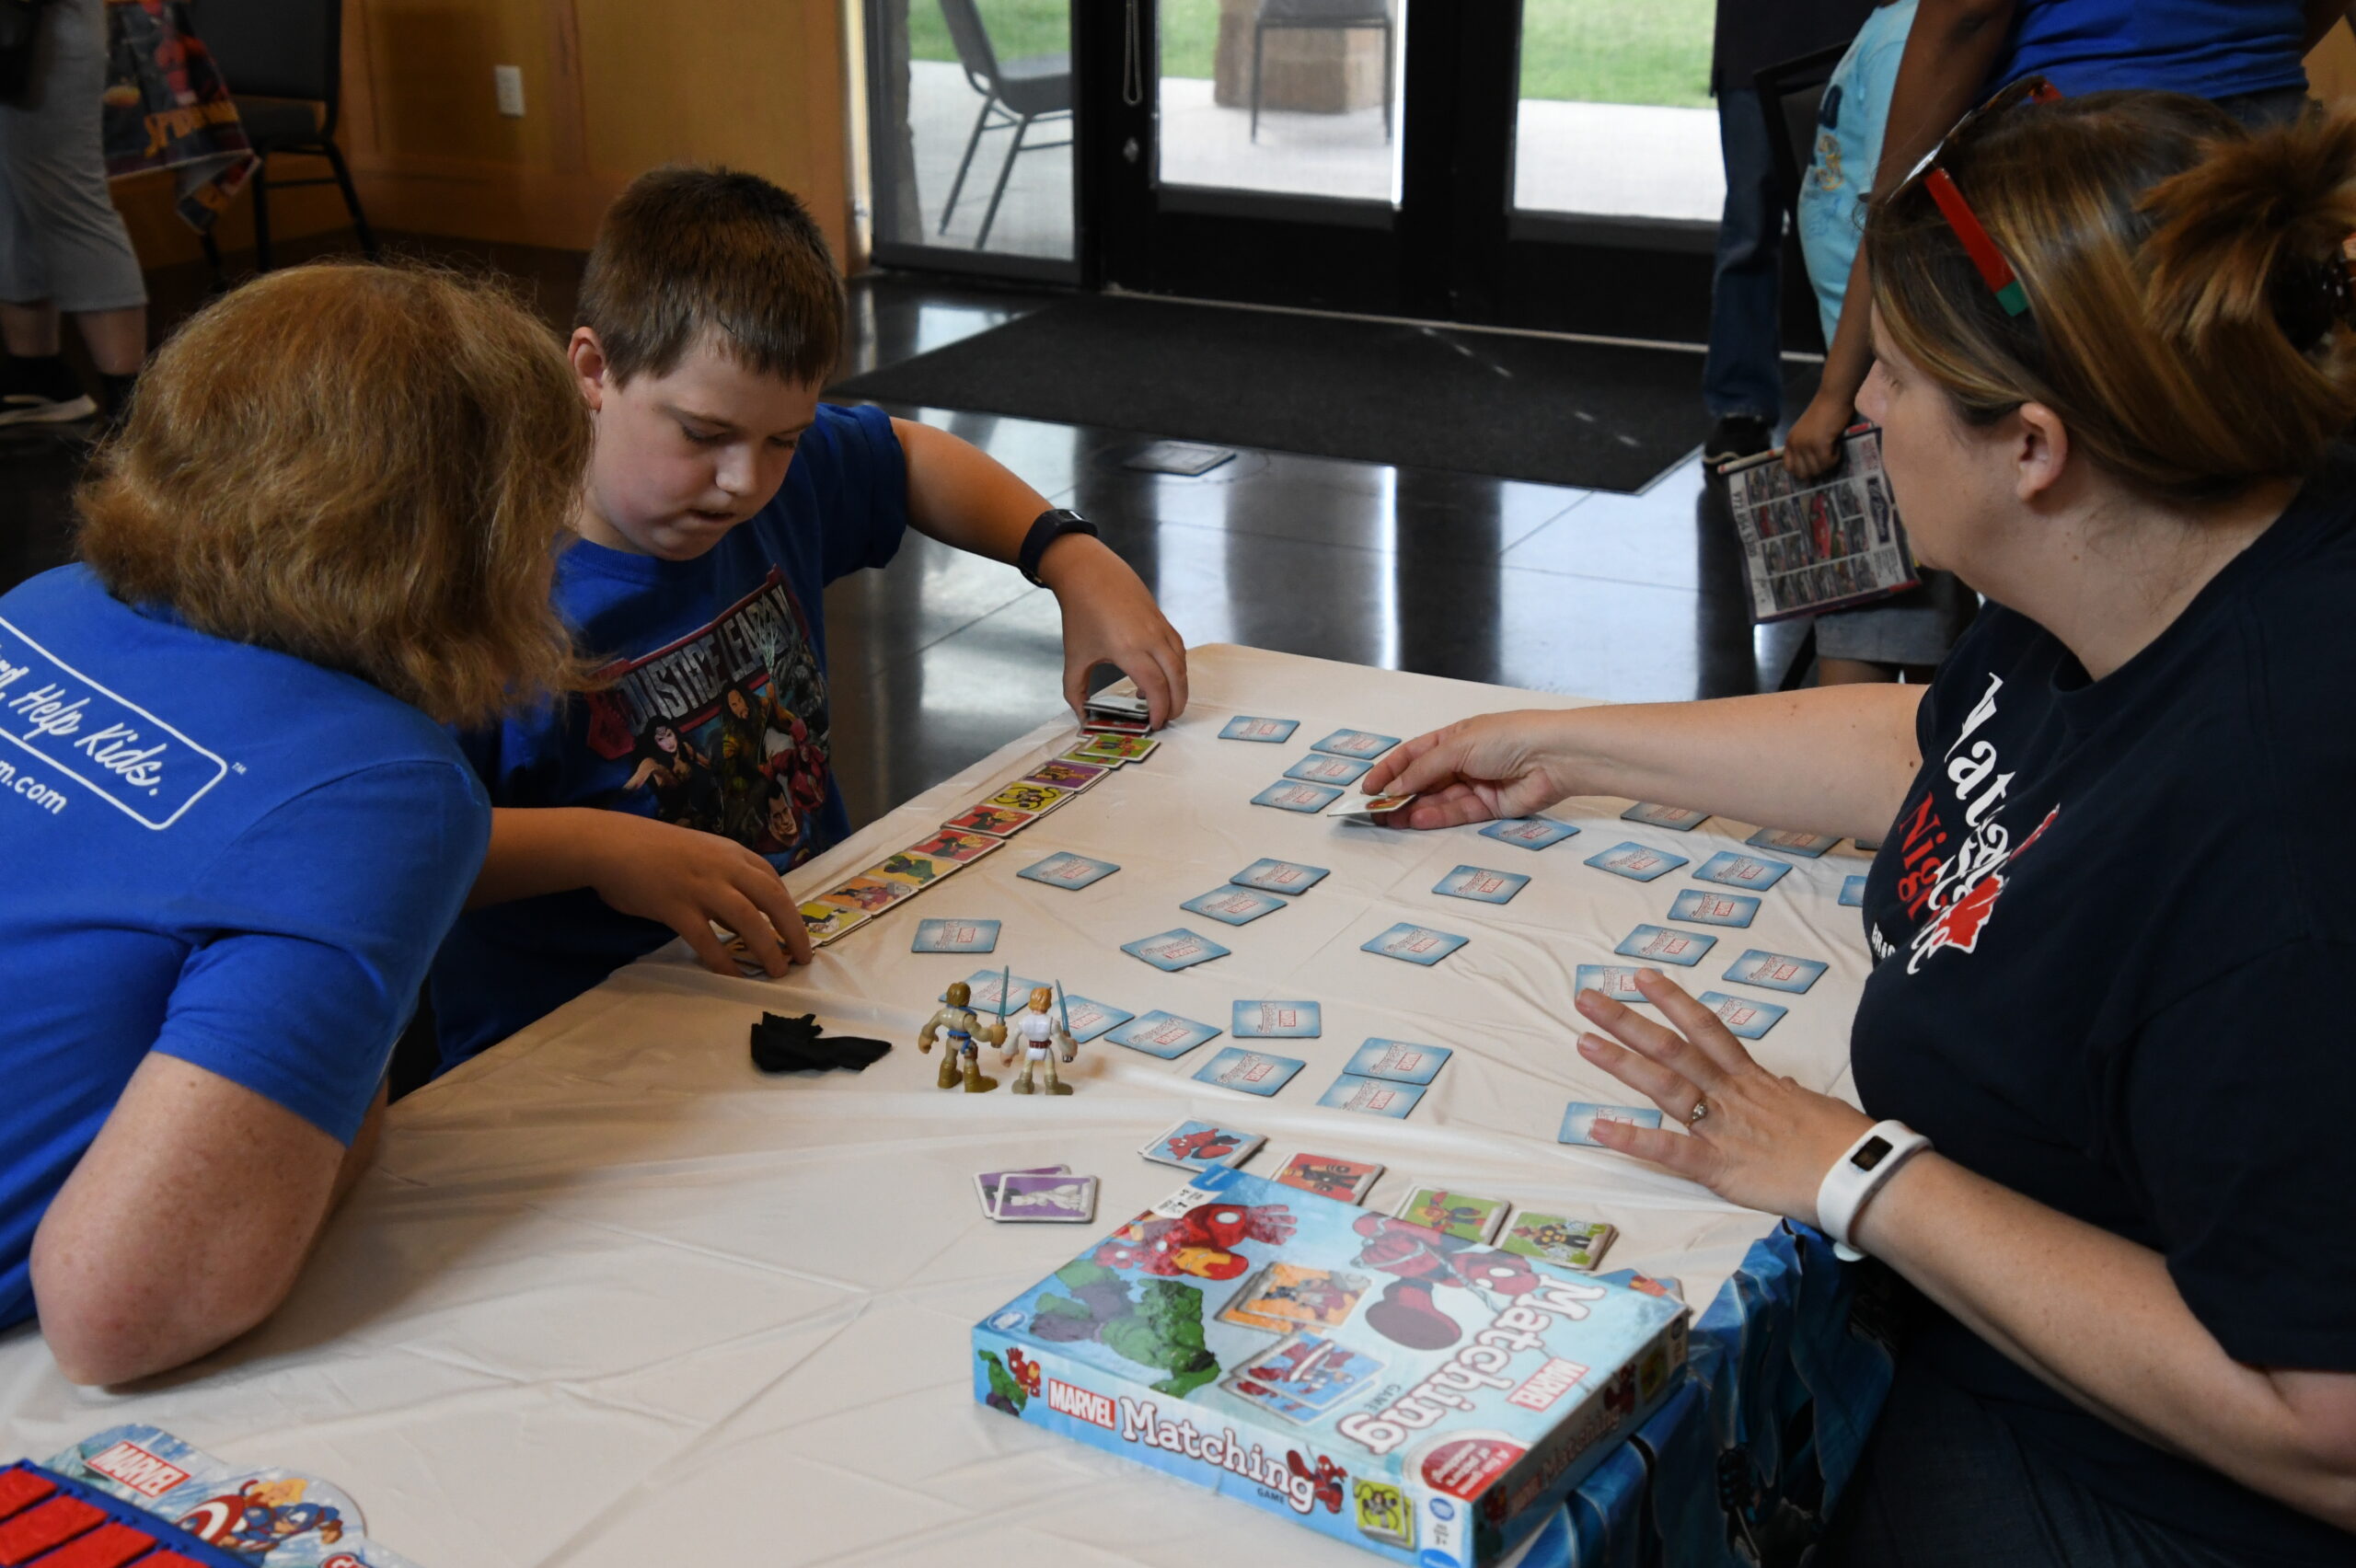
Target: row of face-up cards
x=1039 y=1194
x=969 y=835
x=1552 y=1238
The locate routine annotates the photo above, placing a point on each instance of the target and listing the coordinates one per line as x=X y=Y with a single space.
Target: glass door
x=1254 y=149
x=970 y=123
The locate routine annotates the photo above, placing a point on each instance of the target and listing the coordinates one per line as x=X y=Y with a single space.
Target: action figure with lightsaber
x=1043 y=1038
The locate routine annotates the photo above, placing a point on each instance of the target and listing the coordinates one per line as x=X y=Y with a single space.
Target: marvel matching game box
x=1425 y=1398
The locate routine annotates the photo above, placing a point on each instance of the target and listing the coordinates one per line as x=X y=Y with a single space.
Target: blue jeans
x=1744 y=372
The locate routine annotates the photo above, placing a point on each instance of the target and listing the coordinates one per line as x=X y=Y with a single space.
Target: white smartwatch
x=1858 y=1175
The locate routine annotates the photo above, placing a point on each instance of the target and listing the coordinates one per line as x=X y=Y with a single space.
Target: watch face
x=1870 y=1153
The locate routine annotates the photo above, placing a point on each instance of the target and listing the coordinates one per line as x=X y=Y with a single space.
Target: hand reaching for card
x=1110 y=618
x=1473 y=770
x=1764 y=1142
x=688 y=880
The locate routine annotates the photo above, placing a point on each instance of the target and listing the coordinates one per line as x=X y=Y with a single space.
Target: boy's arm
x=1949 y=51
x=964 y=497
x=684 y=878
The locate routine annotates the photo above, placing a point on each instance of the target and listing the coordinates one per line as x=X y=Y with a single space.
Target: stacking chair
x=1015 y=93
x=284 y=63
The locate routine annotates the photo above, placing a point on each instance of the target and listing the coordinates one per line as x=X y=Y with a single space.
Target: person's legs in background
x=63 y=246
x=1742 y=379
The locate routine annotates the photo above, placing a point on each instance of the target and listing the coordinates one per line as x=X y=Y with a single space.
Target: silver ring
x=1701 y=1109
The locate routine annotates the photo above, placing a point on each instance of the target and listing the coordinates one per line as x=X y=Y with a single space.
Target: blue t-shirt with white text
x=711 y=713
x=209 y=849
x=2212 y=49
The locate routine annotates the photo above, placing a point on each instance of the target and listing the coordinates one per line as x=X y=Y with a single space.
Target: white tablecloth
x=611 y=1297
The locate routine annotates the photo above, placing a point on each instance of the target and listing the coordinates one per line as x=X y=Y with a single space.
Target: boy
x=721 y=499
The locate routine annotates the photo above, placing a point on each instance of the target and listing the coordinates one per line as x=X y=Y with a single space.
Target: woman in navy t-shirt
x=2115 y=352
x=232 y=830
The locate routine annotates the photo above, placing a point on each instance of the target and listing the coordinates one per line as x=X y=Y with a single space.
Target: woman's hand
x=1764 y=1142
x=1813 y=446
x=688 y=880
x=1110 y=618
x=1493 y=767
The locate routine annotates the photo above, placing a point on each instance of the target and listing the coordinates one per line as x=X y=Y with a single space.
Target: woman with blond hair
x=232 y=829
x=2106 y=1036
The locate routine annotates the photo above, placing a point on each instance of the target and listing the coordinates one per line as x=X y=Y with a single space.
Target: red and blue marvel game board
x=1429 y=1399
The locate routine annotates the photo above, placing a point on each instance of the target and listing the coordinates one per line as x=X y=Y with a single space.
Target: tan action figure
x=960 y=1060
x=1042 y=1039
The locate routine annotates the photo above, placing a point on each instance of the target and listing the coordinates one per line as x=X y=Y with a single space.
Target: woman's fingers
x=1658 y=1042
x=1672 y=1091
x=1688 y=1157
x=761 y=884
x=1705 y=1029
x=1378 y=781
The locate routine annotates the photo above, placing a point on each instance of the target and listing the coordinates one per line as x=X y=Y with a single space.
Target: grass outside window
x=1641 y=52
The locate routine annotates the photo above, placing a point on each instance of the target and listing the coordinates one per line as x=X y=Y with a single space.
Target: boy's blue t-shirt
x=2212 y=49
x=1848 y=150
x=208 y=850
x=714 y=716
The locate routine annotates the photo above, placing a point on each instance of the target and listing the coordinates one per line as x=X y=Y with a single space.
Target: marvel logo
x=1549 y=1383
x=1081 y=1404
x=137 y=1469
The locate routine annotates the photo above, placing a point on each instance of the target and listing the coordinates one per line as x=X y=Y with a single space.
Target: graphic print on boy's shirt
x=725 y=730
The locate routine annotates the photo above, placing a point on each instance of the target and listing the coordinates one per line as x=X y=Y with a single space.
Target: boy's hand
x=1110 y=618
x=1813 y=444
x=688 y=880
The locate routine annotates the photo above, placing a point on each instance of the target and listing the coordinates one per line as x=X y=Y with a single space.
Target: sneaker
x=41 y=391
x=1736 y=436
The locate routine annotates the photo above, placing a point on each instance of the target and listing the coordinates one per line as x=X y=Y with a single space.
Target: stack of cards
x=1278 y=876
x=1331 y=1176
x=1460 y=1214
x=1199 y=1145
x=1114 y=712
x=1552 y=1239
x=1043 y=1195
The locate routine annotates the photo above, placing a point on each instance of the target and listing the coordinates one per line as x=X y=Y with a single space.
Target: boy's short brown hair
x=367 y=467
x=687 y=253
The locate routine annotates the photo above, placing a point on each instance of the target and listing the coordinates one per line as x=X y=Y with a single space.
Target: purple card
x=1061 y=1199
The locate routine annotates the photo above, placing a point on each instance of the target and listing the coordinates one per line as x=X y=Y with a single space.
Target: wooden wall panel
x=752 y=84
x=611 y=87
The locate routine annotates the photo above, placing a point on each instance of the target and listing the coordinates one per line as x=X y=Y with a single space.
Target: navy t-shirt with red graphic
x=713 y=714
x=2114 y=950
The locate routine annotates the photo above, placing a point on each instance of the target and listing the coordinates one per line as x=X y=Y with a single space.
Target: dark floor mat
x=1596 y=415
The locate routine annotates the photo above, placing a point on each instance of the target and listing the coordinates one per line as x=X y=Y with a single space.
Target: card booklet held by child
x=1832 y=542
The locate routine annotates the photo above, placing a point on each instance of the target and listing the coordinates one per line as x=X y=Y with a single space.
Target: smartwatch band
x=1051 y=526
x=1857 y=1175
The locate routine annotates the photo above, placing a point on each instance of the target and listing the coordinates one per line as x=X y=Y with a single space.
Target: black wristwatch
x=1051 y=526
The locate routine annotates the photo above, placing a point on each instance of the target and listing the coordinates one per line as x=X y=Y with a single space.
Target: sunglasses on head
x=1994 y=271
